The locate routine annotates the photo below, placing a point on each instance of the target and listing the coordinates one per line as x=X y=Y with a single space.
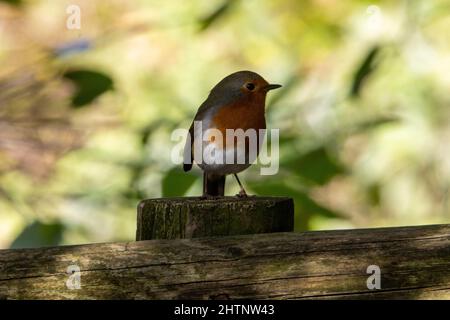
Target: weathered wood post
x=192 y=217
x=414 y=264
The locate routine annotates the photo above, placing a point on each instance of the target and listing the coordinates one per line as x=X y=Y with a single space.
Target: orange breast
x=244 y=114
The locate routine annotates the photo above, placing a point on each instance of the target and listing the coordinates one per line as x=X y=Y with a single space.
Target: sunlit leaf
x=177 y=182
x=39 y=234
x=90 y=84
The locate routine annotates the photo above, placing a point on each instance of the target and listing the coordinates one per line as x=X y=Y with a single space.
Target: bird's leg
x=242 y=193
x=213 y=186
x=205 y=196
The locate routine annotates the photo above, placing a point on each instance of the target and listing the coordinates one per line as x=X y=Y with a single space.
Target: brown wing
x=188 y=156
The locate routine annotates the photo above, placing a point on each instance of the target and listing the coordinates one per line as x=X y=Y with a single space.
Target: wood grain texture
x=190 y=217
x=414 y=262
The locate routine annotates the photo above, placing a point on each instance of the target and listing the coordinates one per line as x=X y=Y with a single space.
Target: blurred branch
x=34 y=130
x=12 y=2
x=365 y=69
x=218 y=13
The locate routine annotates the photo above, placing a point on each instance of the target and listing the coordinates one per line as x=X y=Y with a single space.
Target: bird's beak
x=272 y=86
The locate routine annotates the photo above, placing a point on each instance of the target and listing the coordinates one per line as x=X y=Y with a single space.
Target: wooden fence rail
x=414 y=262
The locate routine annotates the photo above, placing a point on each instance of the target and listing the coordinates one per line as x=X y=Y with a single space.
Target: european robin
x=236 y=102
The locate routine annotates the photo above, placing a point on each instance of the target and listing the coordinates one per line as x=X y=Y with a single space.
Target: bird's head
x=242 y=84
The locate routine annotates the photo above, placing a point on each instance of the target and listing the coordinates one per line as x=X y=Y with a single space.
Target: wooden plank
x=414 y=264
x=192 y=217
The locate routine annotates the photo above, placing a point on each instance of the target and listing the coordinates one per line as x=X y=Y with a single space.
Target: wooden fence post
x=192 y=217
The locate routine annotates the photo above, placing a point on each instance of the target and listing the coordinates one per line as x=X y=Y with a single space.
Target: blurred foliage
x=315 y=167
x=89 y=84
x=39 y=234
x=218 y=12
x=86 y=115
x=12 y=2
x=176 y=182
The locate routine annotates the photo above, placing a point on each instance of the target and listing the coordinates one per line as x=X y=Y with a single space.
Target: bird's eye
x=250 y=86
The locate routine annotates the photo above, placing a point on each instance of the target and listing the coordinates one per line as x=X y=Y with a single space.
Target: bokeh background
x=86 y=114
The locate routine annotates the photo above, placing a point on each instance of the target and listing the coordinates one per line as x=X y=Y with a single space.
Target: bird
x=236 y=102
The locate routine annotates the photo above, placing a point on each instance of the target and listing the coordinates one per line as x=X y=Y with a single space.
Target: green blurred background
x=86 y=114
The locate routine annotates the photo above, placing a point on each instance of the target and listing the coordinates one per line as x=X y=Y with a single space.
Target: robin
x=236 y=102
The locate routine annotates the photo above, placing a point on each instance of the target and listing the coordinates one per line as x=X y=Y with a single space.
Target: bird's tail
x=213 y=184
